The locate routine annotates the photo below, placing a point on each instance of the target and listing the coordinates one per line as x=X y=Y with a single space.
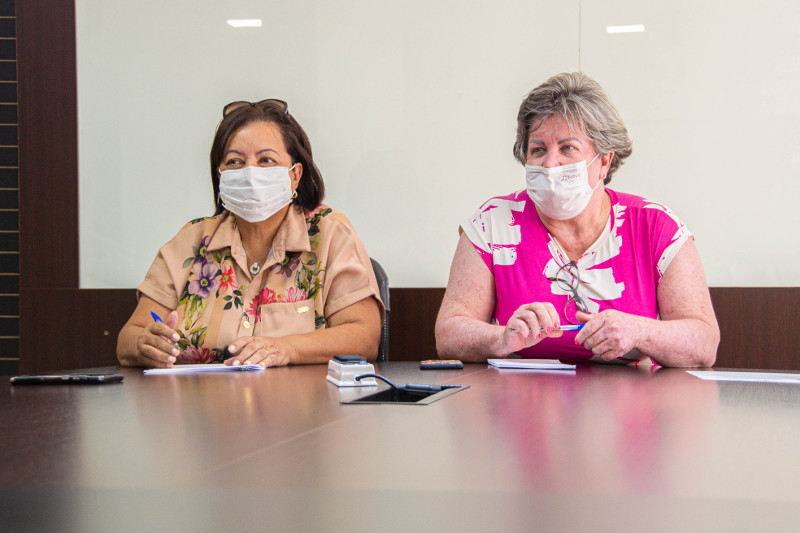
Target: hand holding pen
x=157 y=343
x=528 y=325
x=568 y=327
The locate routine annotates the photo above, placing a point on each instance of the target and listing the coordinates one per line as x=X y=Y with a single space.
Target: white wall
x=411 y=108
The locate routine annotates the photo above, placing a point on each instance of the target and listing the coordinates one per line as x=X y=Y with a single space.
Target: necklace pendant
x=255 y=268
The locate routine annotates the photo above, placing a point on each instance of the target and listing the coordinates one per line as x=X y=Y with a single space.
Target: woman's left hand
x=264 y=351
x=609 y=334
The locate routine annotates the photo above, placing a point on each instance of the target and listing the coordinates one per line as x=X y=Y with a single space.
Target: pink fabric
x=620 y=271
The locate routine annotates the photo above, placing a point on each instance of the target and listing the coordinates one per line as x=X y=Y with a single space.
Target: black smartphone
x=81 y=379
x=349 y=359
x=438 y=364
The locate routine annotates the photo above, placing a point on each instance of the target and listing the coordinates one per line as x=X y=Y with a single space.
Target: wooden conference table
x=601 y=449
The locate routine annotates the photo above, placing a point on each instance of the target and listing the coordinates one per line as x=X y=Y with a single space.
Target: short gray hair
x=585 y=106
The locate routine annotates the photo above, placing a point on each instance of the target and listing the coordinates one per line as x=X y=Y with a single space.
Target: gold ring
x=265 y=349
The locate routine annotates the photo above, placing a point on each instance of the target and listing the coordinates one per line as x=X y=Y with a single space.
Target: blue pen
x=158 y=319
x=568 y=327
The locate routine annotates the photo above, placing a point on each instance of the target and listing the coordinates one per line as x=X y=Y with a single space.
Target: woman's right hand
x=464 y=328
x=528 y=325
x=156 y=343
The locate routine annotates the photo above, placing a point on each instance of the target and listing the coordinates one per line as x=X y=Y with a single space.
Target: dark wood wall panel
x=756 y=326
x=48 y=144
x=88 y=337
x=48 y=182
x=411 y=333
x=74 y=328
x=9 y=191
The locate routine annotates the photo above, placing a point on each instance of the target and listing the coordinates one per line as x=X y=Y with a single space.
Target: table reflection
x=172 y=427
x=640 y=430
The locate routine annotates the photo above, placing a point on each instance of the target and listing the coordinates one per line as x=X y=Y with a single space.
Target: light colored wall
x=411 y=109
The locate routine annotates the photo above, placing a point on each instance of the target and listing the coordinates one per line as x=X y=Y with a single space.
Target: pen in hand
x=569 y=327
x=175 y=350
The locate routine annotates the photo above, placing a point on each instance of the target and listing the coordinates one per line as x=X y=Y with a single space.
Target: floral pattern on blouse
x=212 y=279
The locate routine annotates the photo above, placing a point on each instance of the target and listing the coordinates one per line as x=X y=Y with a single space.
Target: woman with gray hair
x=568 y=268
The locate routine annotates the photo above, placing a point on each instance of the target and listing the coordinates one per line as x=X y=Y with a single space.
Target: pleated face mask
x=255 y=193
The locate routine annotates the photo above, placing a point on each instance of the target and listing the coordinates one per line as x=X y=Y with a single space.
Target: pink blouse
x=621 y=270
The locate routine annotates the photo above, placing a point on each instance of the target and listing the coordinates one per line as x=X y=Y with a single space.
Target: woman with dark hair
x=273 y=278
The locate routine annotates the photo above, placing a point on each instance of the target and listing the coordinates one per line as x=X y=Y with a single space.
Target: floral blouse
x=317 y=266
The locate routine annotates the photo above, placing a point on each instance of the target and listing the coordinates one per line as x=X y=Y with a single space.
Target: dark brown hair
x=311 y=189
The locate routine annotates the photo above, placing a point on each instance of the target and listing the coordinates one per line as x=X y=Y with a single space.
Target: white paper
x=191 y=369
x=531 y=364
x=759 y=377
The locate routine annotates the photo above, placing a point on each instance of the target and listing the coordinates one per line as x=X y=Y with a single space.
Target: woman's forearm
x=320 y=346
x=468 y=339
x=127 y=352
x=675 y=343
x=687 y=342
x=315 y=347
x=355 y=330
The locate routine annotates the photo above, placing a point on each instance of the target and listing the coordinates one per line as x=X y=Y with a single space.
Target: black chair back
x=383 y=287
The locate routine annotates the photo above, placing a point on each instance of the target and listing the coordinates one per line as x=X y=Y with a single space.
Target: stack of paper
x=531 y=364
x=190 y=369
x=760 y=377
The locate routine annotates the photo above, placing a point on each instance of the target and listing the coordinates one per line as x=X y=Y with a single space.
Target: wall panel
x=709 y=94
x=756 y=323
x=48 y=179
x=9 y=191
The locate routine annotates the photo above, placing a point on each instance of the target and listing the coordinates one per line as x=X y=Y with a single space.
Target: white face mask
x=560 y=192
x=255 y=193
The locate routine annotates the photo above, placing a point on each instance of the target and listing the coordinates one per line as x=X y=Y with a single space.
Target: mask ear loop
x=601 y=180
x=294 y=193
